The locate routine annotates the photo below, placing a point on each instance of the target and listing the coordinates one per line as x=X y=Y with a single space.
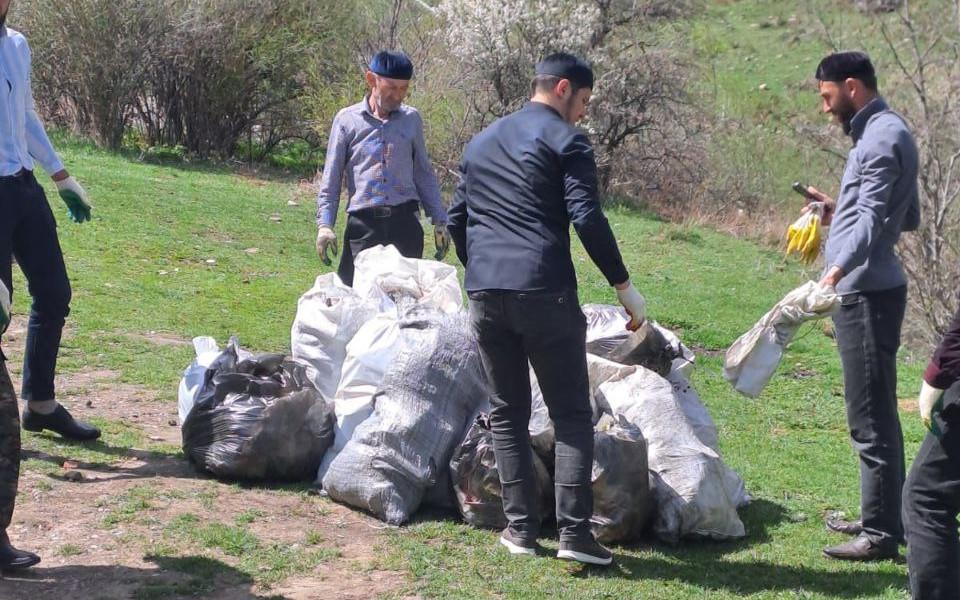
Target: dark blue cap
x=567 y=66
x=395 y=65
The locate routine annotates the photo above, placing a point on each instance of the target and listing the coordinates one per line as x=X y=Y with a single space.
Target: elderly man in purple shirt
x=377 y=145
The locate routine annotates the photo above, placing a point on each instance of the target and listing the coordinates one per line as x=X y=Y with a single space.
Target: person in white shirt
x=28 y=233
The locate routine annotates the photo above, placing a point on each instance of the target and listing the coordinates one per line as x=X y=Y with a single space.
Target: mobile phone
x=802 y=190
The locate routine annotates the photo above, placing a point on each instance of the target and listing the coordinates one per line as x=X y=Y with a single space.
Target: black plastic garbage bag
x=476 y=480
x=420 y=411
x=257 y=417
x=621 y=485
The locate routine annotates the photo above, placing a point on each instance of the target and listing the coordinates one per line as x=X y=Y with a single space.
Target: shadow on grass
x=702 y=564
x=745 y=578
x=154 y=463
x=174 y=577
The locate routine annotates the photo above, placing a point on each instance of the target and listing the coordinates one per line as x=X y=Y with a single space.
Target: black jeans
x=397 y=225
x=28 y=232
x=549 y=331
x=868 y=336
x=931 y=502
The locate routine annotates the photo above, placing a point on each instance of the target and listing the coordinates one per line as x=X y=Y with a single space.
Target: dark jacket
x=524 y=180
x=944 y=368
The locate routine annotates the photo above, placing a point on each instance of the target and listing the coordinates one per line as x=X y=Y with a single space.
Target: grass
x=141 y=269
x=265 y=564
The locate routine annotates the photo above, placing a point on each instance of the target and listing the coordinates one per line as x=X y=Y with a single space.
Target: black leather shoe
x=12 y=559
x=862 y=548
x=60 y=421
x=845 y=527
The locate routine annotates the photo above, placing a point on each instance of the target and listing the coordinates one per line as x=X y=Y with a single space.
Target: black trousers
x=868 y=336
x=397 y=225
x=931 y=502
x=549 y=331
x=28 y=232
x=9 y=446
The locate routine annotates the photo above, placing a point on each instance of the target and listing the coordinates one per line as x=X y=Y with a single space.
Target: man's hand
x=75 y=197
x=326 y=242
x=4 y=307
x=931 y=403
x=442 y=239
x=829 y=205
x=636 y=306
x=832 y=278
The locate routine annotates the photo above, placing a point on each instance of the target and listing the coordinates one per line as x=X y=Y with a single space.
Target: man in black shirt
x=524 y=180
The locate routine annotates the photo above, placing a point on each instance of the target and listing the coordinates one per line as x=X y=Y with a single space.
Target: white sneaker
x=516 y=545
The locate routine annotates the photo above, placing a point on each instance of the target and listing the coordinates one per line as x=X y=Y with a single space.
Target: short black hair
x=840 y=66
x=567 y=66
x=545 y=83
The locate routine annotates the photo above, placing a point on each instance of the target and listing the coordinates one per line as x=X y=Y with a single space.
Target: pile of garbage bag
x=387 y=381
x=254 y=417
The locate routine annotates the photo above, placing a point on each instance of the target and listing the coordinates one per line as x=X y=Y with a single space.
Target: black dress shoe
x=862 y=548
x=845 y=527
x=12 y=559
x=60 y=421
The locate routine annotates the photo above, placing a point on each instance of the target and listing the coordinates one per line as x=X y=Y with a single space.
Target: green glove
x=75 y=197
x=4 y=307
x=441 y=238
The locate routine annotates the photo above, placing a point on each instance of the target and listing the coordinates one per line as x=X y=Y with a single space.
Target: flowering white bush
x=636 y=114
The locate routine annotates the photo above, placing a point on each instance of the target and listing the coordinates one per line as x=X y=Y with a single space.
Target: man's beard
x=3 y=20
x=844 y=112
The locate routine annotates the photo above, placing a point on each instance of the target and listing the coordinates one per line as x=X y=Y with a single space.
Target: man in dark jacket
x=931 y=496
x=524 y=180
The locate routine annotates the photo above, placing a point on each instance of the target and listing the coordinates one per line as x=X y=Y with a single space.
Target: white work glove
x=636 y=306
x=326 y=241
x=4 y=307
x=75 y=197
x=931 y=403
x=441 y=238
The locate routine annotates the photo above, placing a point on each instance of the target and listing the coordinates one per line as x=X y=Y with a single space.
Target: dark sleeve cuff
x=937 y=377
x=616 y=274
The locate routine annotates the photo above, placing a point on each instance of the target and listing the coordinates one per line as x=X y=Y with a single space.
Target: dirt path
x=115 y=521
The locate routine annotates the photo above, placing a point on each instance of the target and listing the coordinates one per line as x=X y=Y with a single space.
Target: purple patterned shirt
x=385 y=163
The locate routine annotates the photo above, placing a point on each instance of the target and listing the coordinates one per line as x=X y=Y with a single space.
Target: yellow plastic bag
x=806 y=233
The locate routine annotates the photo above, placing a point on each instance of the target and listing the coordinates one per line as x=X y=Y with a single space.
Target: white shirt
x=23 y=140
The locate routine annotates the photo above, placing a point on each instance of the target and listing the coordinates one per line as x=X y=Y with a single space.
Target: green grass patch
x=68 y=550
x=267 y=564
x=131 y=505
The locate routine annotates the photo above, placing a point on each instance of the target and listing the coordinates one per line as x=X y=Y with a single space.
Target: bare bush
x=89 y=60
x=926 y=54
x=198 y=74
